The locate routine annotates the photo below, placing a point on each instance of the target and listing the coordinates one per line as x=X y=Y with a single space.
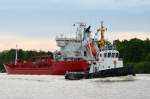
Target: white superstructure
x=106 y=58
x=77 y=46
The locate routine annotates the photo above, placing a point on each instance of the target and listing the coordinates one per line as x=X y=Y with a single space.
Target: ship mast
x=80 y=29
x=102 y=30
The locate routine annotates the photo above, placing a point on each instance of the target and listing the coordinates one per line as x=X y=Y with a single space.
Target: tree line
x=135 y=53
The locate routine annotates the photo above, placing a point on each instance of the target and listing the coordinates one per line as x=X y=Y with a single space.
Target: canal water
x=56 y=87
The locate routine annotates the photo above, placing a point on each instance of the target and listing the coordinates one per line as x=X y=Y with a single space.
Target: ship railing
x=67 y=39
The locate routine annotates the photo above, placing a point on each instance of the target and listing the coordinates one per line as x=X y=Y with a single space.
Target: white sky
x=34 y=24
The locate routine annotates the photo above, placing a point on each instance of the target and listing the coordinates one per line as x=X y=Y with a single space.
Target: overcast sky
x=34 y=24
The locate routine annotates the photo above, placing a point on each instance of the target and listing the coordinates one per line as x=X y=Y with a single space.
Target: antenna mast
x=80 y=29
x=102 y=30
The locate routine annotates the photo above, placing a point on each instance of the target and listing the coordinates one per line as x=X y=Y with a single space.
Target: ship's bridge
x=107 y=59
x=70 y=47
x=108 y=52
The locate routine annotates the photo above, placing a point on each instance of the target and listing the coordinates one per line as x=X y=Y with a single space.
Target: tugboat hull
x=114 y=72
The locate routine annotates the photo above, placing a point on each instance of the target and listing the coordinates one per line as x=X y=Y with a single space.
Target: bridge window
x=100 y=55
x=113 y=54
x=105 y=54
x=84 y=53
x=117 y=55
x=109 y=54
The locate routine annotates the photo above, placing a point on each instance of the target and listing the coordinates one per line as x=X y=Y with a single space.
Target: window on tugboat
x=109 y=55
x=117 y=55
x=113 y=54
x=105 y=54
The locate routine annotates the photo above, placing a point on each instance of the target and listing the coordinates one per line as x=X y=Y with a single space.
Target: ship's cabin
x=108 y=52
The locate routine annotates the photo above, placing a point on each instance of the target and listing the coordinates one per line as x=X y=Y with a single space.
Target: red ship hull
x=51 y=67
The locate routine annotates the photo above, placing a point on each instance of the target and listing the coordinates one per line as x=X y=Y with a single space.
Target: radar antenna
x=80 y=29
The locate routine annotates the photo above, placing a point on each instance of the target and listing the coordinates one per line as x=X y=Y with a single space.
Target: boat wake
x=52 y=78
x=116 y=79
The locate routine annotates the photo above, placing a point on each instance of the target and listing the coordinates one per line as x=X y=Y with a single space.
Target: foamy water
x=56 y=87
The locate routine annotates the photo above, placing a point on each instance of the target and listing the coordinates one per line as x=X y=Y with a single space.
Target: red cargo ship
x=73 y=57
x=46 y=65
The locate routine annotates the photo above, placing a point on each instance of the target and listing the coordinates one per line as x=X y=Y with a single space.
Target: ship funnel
x=87 y=30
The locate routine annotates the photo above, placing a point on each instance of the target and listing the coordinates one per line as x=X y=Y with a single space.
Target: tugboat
x=106 y=62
